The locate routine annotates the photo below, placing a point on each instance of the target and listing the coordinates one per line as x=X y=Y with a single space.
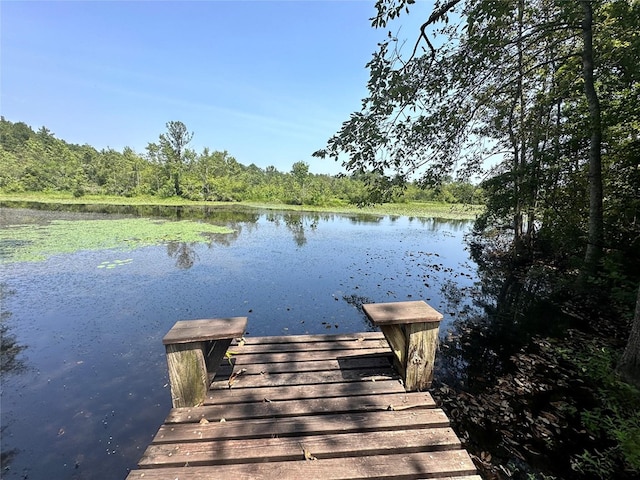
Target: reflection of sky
x=95 y=391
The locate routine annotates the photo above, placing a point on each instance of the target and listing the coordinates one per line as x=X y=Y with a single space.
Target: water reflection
x=10 y=349
x=357 y=301
x=10 y=364
x=499 y=379
x=95 y=334
x=366 y=219
x=506 y=312
x=218 y=213
x=184 y=253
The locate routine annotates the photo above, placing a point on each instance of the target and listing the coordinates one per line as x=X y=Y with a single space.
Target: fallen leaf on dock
x=392 y=408
x=203 y=421
x=307 y=454
x=229 y=355
x=234 y=376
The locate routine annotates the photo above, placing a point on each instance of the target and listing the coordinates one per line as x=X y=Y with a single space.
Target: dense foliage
x=39 y=162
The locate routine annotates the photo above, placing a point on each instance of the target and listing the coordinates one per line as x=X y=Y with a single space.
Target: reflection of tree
x=225 y=239
x=297 y=223
x=510 y=306
x=184 y=253
x=9 y=364
x=434 y=224
x=500 y=378
x=9 y=346
x=357 y=301
x=365 y=218
x=7 y=456
x=218 y=215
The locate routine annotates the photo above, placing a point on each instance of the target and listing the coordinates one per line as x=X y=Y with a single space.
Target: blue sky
x=268 y=81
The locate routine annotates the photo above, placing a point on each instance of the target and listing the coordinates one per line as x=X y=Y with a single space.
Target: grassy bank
x=428 y=209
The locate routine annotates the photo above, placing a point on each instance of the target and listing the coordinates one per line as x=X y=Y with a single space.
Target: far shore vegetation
x=37 y=166
x=410 y=209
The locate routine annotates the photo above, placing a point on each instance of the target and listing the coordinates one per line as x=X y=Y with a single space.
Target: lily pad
x=115 y=263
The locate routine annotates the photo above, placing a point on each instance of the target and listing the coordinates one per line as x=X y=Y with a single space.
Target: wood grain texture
x=278 y=449
x=321 y=407
x=303 y=425
x=234 y=395
x=401 y=312
x=421 y=355
x=268 y=408
x=398 y=341
x=187 y=331
x=411 y=328
x=187 y=373
x=434 y=464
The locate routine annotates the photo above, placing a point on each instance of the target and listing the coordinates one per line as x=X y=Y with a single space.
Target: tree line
x=37 y=161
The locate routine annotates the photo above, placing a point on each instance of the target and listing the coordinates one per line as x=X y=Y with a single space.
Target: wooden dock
x=307 y=407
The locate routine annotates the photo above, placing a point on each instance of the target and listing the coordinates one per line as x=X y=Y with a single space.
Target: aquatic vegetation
x=115 y=263
x=30 y=243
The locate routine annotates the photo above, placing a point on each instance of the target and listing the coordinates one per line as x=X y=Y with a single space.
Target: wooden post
x=195 y=349
x=411 y=328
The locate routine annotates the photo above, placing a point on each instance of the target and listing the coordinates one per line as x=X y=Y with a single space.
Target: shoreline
x=414 y=209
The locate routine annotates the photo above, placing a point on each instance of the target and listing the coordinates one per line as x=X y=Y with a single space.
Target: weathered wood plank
x=187 y=373
x=268 y=379
x=310 y=346
x=238 y=355
x=411 y=329
x=351 y=337
x=326 y=396
x=401 y=313
x=234 y=395
x=291 y=448
x=213 y=357
x=397 y=339
x=346 y=363
x=187 y=331
x=269 y=408
x=401 y=466
x=421 y=355
x=303 y=425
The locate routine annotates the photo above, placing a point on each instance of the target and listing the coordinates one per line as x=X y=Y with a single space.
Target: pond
x=84 y=381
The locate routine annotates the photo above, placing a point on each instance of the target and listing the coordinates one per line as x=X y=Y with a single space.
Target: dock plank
x=292 y=339
x=234 y=395
x=296 y=366
x=310 y=406
x=293 y=448
x=267 y=379
x=315 y=406
x=335 y=346
x=447 y=463
x=303 y=425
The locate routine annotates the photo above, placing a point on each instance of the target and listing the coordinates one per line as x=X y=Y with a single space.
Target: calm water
x=89 y=390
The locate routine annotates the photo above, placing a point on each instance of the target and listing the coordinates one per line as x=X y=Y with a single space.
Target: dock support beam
x=195 y=349
x=411 y=328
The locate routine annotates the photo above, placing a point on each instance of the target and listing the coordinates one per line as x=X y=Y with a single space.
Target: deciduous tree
x=171 y=152
x=629 y=365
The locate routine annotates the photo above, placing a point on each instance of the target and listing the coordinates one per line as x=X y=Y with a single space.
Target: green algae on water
x=31 y=243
